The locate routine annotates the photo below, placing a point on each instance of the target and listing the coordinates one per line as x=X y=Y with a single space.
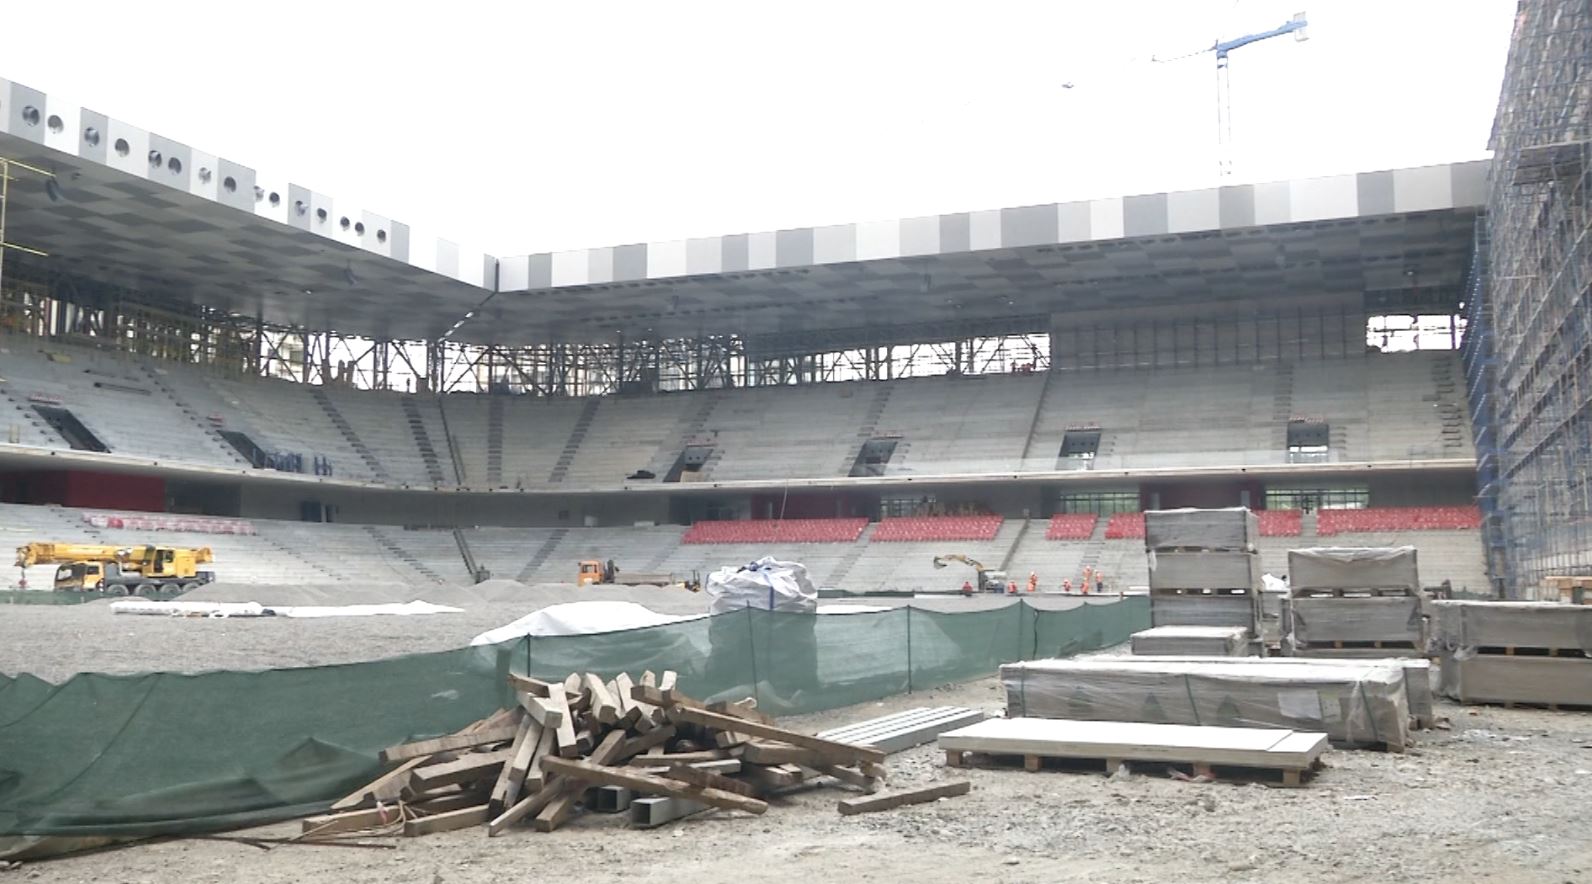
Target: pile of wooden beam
x=596 y=744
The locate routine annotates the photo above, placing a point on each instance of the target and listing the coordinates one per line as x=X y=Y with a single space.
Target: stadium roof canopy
x=138 y=211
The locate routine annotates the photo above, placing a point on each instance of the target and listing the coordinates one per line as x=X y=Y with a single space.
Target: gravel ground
x=1495 y=798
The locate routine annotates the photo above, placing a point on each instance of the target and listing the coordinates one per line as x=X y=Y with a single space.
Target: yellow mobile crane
x=989 y=580
x=120 y=570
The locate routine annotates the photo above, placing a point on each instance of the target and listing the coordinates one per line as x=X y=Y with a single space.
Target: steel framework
x=1529 y=349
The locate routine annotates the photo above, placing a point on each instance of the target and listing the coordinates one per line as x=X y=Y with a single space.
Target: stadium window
x=1102 y=503
x=902 y=506
x=1079 y=447
x=1312 y=499
x=1403 y=332
x=1308 y=441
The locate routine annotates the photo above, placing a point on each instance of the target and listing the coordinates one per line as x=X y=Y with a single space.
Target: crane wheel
x=186 y=587
x=146 y=589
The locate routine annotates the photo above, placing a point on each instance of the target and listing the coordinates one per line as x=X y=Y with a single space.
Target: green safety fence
x=165 y=753
x=50 y=597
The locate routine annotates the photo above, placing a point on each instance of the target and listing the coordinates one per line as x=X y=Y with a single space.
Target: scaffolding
x=1529 y=347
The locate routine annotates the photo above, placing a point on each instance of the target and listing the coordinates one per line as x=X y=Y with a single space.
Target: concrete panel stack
x=1204 y=568
x=1205 y=641
x=1515 y=652
x=1354 y=602
x=1360 y=705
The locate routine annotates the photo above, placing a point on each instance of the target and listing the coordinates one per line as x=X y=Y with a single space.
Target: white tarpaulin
x=255 y=609
x=579 y=618
x=767 y=583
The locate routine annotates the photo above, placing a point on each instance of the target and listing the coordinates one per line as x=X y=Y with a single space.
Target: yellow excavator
x=594 y=573
x=989 y=580
x=120 y=570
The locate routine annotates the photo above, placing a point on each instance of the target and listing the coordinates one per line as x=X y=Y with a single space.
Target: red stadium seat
x=777 y=531
x=1280 y=523
x=1394 y=519
x=1073 y=526
x=927 y=528
x=1125 y=526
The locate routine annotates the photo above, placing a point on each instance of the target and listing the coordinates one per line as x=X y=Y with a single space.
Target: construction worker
x=1088 y=575
x=1066 y=585
x=1011 y=587
x=1100 y=583
x=967 y=587
x=1033 y=581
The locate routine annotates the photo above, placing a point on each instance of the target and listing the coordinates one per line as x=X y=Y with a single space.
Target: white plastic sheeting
x=579 y=618
x=255 y=609
x=767 y=583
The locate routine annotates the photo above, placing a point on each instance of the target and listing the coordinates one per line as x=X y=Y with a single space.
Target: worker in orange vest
x=967 y=587
x=1011 y=587
x=1033 y=581
x=1066 y=585
x=1088 y=575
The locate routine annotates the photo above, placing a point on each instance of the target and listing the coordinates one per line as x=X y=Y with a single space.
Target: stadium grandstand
x=322 y=393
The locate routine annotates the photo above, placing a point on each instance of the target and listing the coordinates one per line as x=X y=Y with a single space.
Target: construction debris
x=605 y=745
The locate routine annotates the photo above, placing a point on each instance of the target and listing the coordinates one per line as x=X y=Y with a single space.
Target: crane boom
x=145 y=567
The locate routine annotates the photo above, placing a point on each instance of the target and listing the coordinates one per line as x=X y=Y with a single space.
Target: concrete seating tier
x=928 y=528
x=1071 y=526
x=777 y=531
x=1412 y=518
x=1125 y=526
x=1281 y=523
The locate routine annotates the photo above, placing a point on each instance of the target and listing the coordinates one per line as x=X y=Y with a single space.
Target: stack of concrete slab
x=1356 y=705
x=1202 y=641
x=1515 y=652
x=1419 y=693
x=1204 y=568
x=1354 y=602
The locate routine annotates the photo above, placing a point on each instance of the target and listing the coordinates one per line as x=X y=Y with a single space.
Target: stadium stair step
x=577 y=435
x=494 y=442
x=837 y=574
x=428 y=452
x=539 y=558
x=205 y=425
x=1033 y=425
x=347 y=431
x=401 y=554
x=1011 y=551
x=870 y=426
x=293 y=554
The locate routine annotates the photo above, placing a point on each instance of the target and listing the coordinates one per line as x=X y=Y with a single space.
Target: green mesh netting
x=163 y=753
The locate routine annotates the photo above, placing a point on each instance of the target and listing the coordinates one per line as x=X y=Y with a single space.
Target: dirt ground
x=1496 y=798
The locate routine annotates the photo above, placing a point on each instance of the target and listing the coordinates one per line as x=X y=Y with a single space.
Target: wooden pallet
x=1191 y=770
x=1517 y=651
x=1288 y=754
x=1369 y=593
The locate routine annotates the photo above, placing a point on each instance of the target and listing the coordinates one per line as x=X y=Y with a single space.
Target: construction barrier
x=166 y=753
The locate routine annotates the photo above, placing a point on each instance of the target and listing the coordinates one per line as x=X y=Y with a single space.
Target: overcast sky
x=531 y=127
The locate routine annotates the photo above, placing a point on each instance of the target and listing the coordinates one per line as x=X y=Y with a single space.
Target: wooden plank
x=1131 y=741
x=456 y=801
x=667 y=758
x=386 y=787
x=847 y=776
x=709 y=780
x=572 y=685
x=746 y=709
x=511 y=779
x=532 y=686
x=450 y=743
x=891 y=800
x=352 y=820
x=531 y=804
x=666 y=684
x=559 y=810
x=622 y=688
x=446 y=822
x=565 y=728
x=467 y=768
x=656 y=737
x=613 y=776
x=773 y=777
x=760 y=752
x=722 y=766
x=603 y=704
x=653 y=696
x=838 y=752
x=547 y=711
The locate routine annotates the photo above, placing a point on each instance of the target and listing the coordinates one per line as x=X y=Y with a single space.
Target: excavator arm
x=942 y=561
